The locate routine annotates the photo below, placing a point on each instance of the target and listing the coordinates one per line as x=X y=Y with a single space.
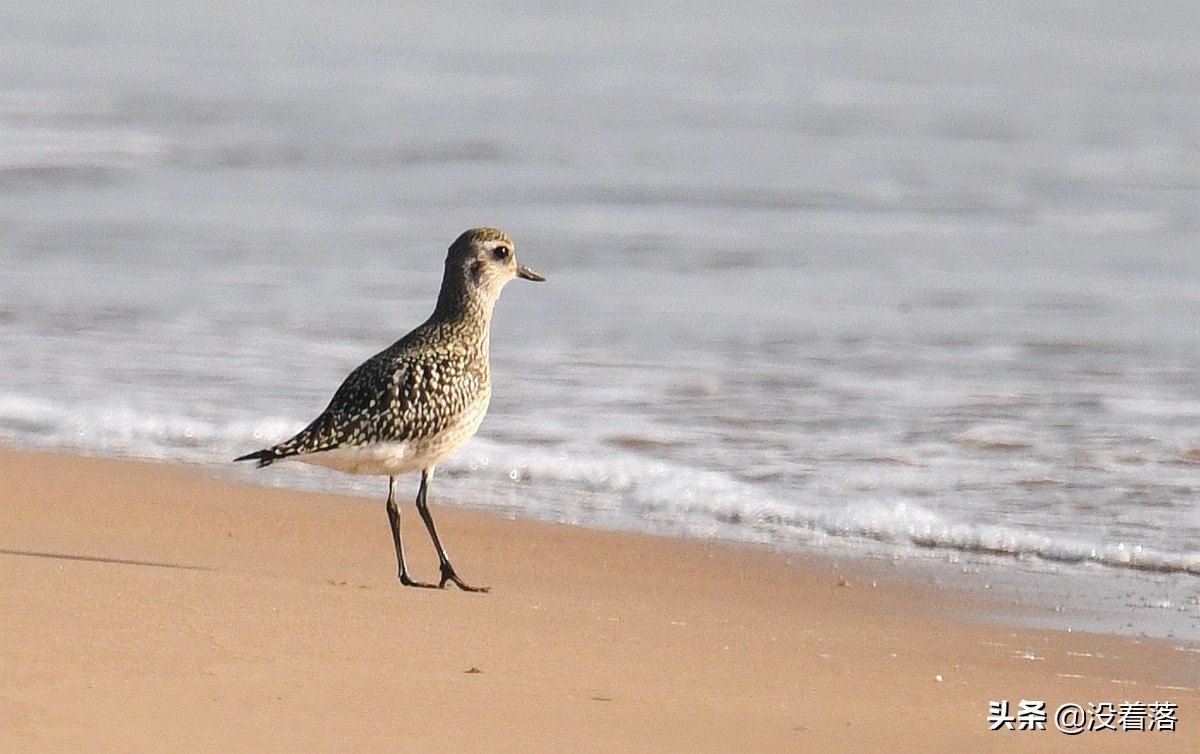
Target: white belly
x=395 y=458
x=391 y=458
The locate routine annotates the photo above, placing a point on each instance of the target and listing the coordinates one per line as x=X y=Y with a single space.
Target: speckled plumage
x=412 y=404
x=410 y=392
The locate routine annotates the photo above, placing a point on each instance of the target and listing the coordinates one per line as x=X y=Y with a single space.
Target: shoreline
x=1029 y=590
x=1023 y=591
x=153 y=606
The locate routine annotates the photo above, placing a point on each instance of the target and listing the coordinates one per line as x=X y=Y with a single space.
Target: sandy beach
x=152 y=608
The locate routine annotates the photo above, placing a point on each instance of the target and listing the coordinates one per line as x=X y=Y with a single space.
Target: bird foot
x=406 y=581
x=448 y=574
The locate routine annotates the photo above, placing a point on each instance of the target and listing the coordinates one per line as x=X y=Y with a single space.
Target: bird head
x=484 y=259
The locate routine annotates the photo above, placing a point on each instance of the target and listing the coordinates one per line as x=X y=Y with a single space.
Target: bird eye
x=501 y=253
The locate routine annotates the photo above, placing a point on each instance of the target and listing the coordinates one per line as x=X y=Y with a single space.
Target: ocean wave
x=275 y=154
x=44 y=150
x=629 y=491
x=604 y=487
x=119 y=429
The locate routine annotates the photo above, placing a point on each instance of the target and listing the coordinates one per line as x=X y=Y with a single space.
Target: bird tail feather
x=263 y=457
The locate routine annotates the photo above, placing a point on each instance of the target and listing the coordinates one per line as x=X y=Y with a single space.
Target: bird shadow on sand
x=101 y=559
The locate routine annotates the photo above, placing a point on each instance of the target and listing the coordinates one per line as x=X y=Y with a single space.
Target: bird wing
x=369 y=406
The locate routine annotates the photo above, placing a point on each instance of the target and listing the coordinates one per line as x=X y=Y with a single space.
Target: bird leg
x=393 y=512
x=448 y=573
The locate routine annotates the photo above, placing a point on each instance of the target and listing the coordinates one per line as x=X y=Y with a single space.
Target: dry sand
x=148 y=608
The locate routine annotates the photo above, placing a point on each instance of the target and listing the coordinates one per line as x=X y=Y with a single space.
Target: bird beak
x=528 y=274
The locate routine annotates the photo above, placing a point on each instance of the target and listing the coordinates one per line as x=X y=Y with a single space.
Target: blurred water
x=834 y=275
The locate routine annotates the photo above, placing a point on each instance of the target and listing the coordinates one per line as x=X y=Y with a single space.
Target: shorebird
x=414 y=403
